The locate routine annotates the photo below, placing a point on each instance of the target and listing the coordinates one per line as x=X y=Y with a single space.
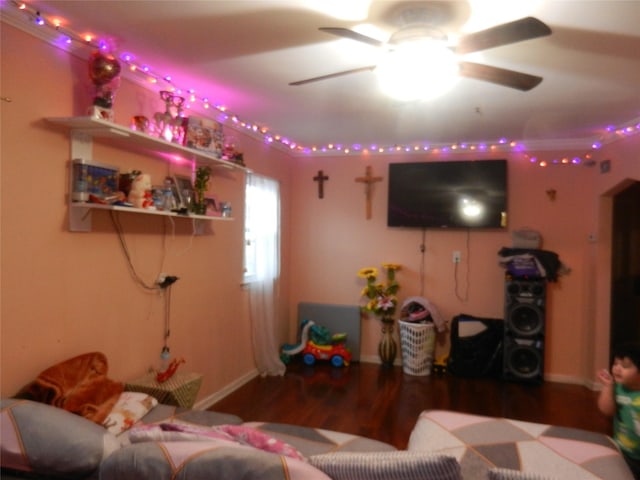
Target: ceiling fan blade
x=350 y=34
x=499 y=76
x=504 y=34
x=333 y=75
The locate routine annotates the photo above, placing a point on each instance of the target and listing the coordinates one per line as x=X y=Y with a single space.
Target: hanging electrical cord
x=163 y=284
x=167 y=313
x=463 y=298
x=125 y=249
x=423 y=250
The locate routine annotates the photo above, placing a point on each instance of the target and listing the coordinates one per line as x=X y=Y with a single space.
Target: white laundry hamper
x=417 y=341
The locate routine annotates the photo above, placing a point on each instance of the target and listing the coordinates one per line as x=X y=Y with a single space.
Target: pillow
x=508 y=474
x=43 y=439
x=399 y=465
x=192 y=460
x=130 y=407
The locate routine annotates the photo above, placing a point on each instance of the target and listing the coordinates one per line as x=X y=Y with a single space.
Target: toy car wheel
x=337 y=361
x=309 y=359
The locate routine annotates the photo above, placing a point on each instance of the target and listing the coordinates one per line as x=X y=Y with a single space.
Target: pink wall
x=335 y=240
x=65 y=293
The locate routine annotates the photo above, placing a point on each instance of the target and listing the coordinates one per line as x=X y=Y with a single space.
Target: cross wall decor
x=320 y=178
x=368 y=181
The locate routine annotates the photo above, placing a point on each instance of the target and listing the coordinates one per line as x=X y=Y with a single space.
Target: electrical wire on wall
x=115 y=219
x=423 y=249
x=456 y=267
x=162 y=285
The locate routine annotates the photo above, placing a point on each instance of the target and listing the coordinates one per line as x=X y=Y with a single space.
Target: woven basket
x=180 y=390
x=418 y=343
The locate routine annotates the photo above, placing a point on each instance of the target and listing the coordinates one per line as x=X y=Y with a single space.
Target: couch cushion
x=482 y=443
x=203 y=461
x=43 y=439
x=399 y=465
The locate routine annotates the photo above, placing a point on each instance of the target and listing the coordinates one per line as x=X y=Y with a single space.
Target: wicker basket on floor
x=417 y=341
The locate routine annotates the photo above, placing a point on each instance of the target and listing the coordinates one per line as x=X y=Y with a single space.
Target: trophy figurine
x=104 y=71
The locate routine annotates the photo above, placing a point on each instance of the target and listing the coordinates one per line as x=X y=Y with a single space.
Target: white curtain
x=263 y=230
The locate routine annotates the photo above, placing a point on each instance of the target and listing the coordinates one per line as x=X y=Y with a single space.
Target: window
x=261 y=229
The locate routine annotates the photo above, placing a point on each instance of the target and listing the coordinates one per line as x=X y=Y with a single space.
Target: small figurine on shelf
x=170 y=124
x=169 y=201
x=104 y=71
x=140 y=194
x=231 y=153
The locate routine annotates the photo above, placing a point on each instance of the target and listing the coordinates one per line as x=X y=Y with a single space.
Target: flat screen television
x=448 y=194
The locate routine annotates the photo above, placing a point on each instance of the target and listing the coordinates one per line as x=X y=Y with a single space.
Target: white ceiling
x=243 y=53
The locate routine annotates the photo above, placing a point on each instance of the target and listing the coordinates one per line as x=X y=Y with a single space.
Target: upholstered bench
x=504 y=447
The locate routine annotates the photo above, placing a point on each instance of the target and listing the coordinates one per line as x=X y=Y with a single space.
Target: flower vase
x=387 y=348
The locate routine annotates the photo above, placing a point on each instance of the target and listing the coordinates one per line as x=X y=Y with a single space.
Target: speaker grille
x=524 y=361
x=524 y=329
x=525 y=320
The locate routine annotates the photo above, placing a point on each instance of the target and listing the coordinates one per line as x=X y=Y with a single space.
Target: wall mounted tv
x=448 y=194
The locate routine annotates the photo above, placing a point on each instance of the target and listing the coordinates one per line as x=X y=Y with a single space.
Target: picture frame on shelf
x=185 y=190
x=204 y=134
x=213 y=209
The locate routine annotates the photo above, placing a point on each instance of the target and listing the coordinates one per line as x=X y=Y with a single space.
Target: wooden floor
x=384 y=403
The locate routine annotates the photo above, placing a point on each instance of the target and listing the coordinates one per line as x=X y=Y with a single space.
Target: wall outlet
x=457 y=256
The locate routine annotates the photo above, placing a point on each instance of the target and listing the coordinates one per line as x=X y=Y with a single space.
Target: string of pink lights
x=67 y=36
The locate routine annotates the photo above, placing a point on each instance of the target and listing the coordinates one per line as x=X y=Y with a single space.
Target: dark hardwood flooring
x=384 y=403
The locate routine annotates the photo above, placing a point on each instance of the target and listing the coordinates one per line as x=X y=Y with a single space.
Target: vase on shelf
x=387 y=348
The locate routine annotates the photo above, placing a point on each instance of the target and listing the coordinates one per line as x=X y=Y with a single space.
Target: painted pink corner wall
x=334 y=240
x=66 y=293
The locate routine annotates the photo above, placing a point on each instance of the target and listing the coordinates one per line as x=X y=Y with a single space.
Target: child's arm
x=607 y=398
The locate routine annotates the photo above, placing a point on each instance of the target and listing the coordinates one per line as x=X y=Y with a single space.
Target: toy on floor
x=317 y=343
x=440 y=365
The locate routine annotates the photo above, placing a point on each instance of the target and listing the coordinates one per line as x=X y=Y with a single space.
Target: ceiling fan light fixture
x=419 y=70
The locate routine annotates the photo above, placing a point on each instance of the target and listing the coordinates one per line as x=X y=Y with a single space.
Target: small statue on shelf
x=170 y=123
x=104 y=72
x=140 y=194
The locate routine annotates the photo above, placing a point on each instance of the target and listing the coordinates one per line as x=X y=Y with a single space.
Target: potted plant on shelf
x=200 y=186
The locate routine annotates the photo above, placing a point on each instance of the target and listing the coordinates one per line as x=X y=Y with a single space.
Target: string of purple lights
x=65 y=36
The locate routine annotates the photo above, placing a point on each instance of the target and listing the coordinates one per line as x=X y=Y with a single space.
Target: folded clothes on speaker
x=518 y=262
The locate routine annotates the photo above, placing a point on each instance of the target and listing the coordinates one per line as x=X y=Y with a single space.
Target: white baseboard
x=226 y=390
x=570 y=379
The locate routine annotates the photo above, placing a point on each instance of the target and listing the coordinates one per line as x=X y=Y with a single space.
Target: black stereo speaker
x=524 y=330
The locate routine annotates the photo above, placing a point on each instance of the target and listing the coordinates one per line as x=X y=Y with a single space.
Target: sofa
x=138 y=438
x=44 y=442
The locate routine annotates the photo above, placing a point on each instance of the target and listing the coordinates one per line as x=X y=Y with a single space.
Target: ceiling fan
x=504 y=34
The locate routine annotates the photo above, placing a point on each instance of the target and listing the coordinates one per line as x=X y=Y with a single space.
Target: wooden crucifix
x=368 y=181
x=320 y=178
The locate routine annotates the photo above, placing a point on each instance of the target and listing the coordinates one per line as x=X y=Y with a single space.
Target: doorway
x=625 y=267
